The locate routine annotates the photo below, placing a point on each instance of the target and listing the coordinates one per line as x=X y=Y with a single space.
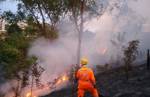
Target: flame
x=104 y=51
x=65 y=78
x=56 y=82
x=62 y=79
x=29 y=95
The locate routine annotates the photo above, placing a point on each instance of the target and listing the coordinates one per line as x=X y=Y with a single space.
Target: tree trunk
x=17 y=89
x=43 y=19
x=148 y=60
x=35 y=17
x=127 y=70
x=32 y=85
x=80 y=32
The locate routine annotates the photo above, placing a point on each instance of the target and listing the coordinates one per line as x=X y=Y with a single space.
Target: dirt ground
x=113 y=83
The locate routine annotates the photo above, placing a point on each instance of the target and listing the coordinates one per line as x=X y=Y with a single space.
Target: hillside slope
x=113 y=83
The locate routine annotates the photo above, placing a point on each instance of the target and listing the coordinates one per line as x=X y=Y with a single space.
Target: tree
x=13 y=58
x=14 y=61
x=12 y=21
x=51 y=11
x=130 y=54
x=20 y=23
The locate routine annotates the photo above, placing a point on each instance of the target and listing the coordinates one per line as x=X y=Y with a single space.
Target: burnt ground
x=113 y=83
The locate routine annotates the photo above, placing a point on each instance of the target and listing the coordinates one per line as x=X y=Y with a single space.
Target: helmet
x=84 y=61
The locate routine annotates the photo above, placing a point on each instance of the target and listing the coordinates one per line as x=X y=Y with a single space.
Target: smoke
x=8 y=88
x=103 y=38
x=102 y=41
x=54 y=56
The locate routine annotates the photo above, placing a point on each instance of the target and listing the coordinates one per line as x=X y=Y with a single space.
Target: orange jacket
x=85 y=77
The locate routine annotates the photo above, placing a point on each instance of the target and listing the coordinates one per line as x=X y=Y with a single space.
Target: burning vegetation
x=57 y=82
x=30 y=95
x=14 y=61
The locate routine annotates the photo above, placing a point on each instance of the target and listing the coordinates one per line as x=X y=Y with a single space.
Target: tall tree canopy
x=49 y=12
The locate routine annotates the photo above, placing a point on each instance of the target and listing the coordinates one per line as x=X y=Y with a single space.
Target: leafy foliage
x=14 y=60
x=12 y=21
x=47 y=13
x=13 y=55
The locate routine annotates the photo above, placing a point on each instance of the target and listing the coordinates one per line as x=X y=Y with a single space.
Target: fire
x=29 y=95
x=50 y=85
x=104 y=51
x=62 y=79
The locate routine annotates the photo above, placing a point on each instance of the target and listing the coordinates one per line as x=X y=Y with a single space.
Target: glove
x=75 y=80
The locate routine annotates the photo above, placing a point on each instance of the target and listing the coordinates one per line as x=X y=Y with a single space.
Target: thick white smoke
x=102 y=41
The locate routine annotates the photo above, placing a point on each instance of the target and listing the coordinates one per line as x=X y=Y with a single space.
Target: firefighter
x=86 y=80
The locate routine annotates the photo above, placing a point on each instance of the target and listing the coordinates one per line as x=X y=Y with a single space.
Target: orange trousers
x=92 y=90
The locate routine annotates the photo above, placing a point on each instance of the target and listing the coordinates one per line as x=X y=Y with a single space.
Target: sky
x=8 y=5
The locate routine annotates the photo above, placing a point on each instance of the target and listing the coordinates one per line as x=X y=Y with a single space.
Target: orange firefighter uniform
x=86 y=81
